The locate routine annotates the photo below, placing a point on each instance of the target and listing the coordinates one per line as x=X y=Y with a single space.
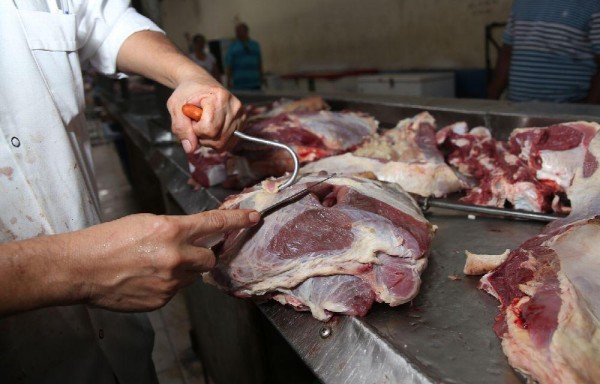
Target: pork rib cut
x=406 y=155
x=548 y=290
x=349 y=242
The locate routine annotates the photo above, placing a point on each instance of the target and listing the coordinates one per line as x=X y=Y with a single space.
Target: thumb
x=218 y=221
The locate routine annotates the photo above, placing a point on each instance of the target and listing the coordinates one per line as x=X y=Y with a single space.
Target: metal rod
x=289 y=149
x=492 y=211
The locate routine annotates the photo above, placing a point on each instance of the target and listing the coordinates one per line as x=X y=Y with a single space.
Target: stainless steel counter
x=445 y=335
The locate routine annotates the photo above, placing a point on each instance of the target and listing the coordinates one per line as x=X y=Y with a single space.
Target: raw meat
x=305 y=125
x=556 y=152
x=349 y=242
x=532 y=171
x=406 y=155
x=548 y=290
x=503 y=178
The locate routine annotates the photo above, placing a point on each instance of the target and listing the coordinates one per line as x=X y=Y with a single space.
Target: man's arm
x=594 y=92
x=152 y=55
x=500 y=80
x=136 y=263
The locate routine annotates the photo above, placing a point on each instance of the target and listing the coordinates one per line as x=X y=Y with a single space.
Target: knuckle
x=172 y=261
x=217 y=220
x=165 y=227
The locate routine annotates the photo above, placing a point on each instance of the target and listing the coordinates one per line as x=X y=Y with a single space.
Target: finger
x=181 y=126
x=227 y=141
x=219 y=221
x=217 y=127
x=207 y=128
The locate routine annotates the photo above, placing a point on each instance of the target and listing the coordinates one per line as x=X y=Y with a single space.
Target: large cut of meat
x=503 y=178
x=556 y=152
x=548 y=289
x=532 y=171
x=305 y=125
x=406 y=155
x=349 y=242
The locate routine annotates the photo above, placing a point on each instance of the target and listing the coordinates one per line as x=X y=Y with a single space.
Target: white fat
x=479 y=264
x=525 y=149
x=560 y=166
x=578 y=251
x=510 y=158
x=525 y=196
x=461 y=142
x=481 y=132
x=460 y=128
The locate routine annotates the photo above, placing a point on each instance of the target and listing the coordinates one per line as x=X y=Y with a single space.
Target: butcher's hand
x=152 y=54
x=145 y=259
x=136 y=263
x=222 y=113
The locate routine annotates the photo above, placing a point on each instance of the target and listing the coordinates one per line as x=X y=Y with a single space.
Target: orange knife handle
x=192 y=111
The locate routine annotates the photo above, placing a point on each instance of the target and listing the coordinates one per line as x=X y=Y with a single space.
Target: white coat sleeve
x=102 y=28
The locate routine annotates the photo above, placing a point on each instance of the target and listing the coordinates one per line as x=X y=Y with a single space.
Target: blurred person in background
x=243 y=61
x=204 y=58
x=551 y=52
x=69 y=285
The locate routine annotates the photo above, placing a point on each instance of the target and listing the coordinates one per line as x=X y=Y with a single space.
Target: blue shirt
x=554 y=44
x=244 y=60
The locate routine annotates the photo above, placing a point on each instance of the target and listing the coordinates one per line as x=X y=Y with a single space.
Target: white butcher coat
x=47 y=184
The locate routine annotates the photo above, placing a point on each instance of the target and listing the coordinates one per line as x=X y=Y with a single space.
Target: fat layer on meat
x=349 y=242
x=406 y=155
x=548 y=291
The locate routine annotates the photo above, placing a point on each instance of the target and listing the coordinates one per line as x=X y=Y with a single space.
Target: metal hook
x=195 y=113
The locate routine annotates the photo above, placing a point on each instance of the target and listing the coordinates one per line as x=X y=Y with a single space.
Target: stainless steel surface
x=445 y=335
x=425 y=203
x=289 y=150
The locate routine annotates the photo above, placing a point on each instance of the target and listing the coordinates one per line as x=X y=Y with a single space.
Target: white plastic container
x=432 y=84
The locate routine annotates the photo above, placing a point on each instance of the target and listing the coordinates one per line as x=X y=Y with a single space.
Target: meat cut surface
x=306 y=125
x=406 y=155
x=532 y=171
x=548 y=288
x=349 y=242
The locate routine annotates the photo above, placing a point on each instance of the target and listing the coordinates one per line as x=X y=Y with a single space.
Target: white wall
x=337 y=34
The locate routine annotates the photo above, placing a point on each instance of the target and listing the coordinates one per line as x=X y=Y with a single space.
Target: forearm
x=501 y=72
x=38 y=273
x=153 y=55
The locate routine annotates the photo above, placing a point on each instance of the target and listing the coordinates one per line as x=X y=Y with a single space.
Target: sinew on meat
x=349 y=242
x=549 y=288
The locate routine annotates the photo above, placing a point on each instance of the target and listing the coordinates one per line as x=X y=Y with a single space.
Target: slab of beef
x=406 y=155
x=305 y=125
x=349 y=242
x=503 y=179
x=548 y=290
x=531 y=171
x=556 y=152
